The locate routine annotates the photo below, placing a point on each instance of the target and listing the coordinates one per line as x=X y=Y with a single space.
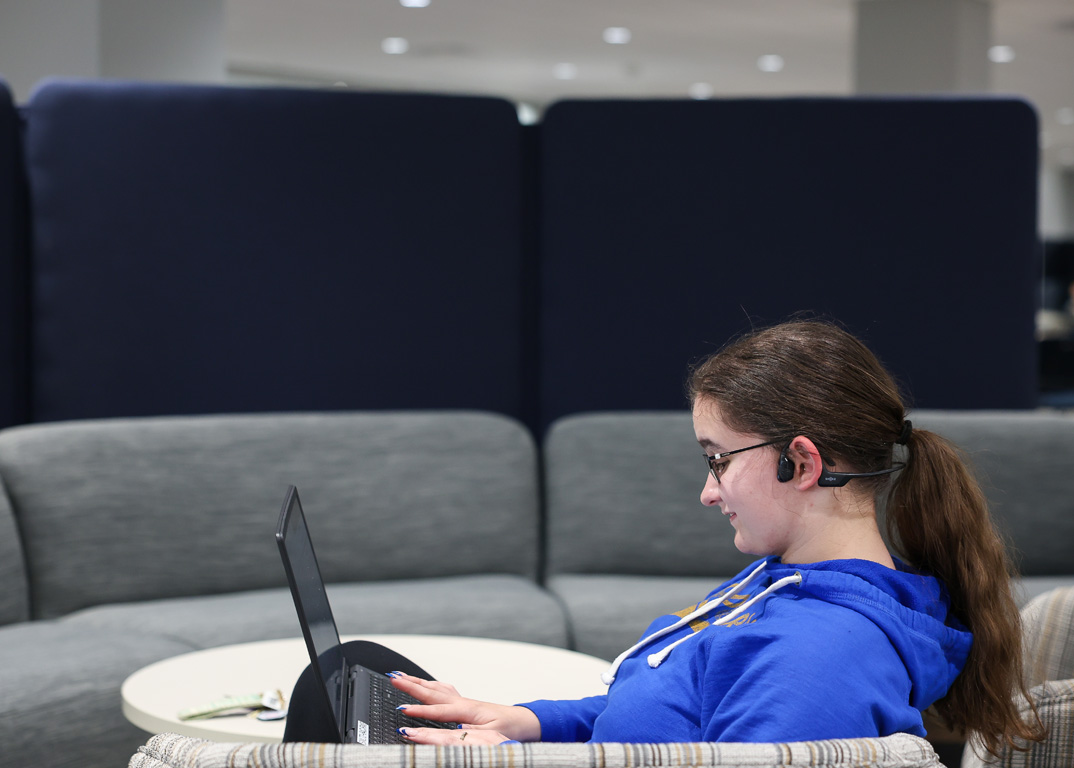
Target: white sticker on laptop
x=362 y=733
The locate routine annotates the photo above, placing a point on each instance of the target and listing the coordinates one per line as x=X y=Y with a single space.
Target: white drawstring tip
x=607 y=678
x=655 y=659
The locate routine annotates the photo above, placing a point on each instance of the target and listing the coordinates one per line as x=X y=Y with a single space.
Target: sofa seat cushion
x=607 y=614
x=499 y=606
x=898 y=751
x=59 y=692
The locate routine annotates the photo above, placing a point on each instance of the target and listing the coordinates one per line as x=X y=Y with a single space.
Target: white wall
x=166 y=40
x=39 y=38
x=170 y=40
x=1057 y=202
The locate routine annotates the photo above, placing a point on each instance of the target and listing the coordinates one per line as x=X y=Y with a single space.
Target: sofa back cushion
x=13 y=267
x=679 y=224
x=15 y=596
x=126 y=510
x=622 y=491
x=205 y=249
x=622 y=498
x=1023 y=460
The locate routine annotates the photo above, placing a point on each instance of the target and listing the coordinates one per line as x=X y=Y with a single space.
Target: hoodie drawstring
x=656 y=659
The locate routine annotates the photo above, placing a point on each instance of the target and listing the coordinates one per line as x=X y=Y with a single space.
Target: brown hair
x=812 y=378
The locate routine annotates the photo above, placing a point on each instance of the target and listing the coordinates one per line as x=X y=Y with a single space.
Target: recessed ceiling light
x=770 y=62
x=617 y=35
x=527 y=113
x=1000 y=54
x=414 y=3
x=1065 y=115
x=566 y=71
x=394 y=45
x=701 y=91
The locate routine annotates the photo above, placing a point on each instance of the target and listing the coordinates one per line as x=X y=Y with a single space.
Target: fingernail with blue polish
x=402 y=707
x=402 y=732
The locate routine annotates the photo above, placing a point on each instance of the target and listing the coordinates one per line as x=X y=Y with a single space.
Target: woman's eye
x=720 y=466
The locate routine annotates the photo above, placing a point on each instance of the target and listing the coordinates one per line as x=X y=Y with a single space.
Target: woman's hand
x=479 y=722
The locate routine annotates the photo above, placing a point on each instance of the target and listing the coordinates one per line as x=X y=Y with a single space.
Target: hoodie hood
x=911 y=608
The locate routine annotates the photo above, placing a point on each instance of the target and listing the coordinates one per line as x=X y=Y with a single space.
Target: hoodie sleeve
x=832 y=682
x=569 y=720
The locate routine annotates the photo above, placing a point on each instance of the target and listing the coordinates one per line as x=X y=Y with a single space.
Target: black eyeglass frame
x=712 y=460
x=828 y=478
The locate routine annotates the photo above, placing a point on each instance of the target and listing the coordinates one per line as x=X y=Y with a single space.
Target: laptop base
x=305 y=719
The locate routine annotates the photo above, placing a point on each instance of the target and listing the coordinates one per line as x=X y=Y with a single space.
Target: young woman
x=828 y=635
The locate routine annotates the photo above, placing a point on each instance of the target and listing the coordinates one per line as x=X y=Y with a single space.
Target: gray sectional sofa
x=126 y=541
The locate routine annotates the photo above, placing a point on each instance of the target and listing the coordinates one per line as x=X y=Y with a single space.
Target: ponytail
x=937 y=517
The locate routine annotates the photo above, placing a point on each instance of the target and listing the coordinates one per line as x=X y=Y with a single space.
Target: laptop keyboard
x=384 y=698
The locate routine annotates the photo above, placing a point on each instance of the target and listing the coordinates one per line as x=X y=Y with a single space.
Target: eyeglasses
x=718 y=465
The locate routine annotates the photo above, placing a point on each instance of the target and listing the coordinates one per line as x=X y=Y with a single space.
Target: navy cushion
x=13 y=268
x=670 y=226
x=208 y=249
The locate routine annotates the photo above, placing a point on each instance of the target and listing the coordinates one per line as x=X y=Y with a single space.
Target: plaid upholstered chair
x=1049 y=651
x=900 y=750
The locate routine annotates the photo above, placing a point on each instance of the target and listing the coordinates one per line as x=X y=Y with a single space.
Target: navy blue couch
x=188 y=249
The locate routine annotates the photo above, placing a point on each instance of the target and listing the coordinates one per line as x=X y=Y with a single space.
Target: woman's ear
x=808 y=465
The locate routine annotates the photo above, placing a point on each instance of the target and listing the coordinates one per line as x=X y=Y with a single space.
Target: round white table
x=501 y=671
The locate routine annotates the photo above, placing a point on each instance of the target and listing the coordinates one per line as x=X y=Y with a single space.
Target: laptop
x=362 y=701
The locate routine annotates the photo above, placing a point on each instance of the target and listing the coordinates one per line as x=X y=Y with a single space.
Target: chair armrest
x=898 y=751
x=1055 y=705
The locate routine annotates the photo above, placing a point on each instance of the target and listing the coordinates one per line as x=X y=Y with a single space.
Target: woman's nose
x=710 y=494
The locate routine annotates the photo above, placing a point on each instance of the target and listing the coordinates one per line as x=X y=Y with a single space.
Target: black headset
x=828 y=479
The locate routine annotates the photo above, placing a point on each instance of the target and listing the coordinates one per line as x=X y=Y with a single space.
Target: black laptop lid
x=311 y=602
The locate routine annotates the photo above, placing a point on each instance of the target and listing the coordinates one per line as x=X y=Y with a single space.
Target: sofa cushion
x=15 y=596
x=677 y=224
x=505 y=607
x=622 y=497
x=203 y=249
x=1023 y=461
x=14 y=267
x=144 y=509
x=60 y=693
x=608 y=614
x=898 y=751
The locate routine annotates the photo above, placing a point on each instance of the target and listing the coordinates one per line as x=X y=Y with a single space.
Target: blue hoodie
x=837 y=649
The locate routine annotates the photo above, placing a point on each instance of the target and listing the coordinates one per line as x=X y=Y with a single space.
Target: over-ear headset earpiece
x=828 y=479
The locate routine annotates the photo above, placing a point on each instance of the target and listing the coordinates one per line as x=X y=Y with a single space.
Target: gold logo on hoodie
x=731 y=602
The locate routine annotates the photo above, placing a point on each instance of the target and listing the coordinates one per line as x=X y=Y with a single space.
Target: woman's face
x=755 y=503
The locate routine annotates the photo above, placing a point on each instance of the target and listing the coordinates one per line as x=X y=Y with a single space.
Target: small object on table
x=269 y=705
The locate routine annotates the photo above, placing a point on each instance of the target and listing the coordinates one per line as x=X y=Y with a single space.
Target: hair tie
x=904 y=436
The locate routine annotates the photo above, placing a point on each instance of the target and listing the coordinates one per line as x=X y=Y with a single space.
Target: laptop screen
x=311 y=601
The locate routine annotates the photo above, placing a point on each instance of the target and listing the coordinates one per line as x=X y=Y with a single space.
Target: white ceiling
x=511 y=48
